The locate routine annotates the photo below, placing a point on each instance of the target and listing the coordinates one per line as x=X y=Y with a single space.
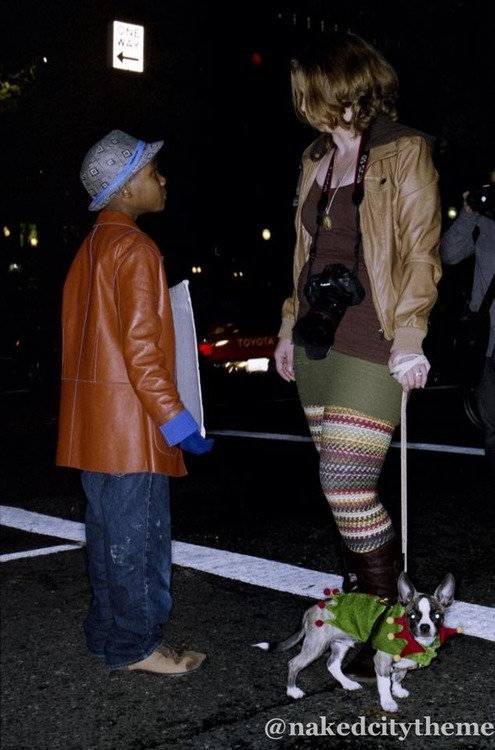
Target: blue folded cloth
x=182 y=430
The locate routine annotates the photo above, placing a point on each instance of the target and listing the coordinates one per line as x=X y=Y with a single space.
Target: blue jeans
x=486 y=408
x=128 y=540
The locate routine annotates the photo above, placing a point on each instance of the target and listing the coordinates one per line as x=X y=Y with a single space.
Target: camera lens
x=482 y=200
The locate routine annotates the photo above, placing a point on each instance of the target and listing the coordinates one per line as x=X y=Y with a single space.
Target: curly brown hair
x=342 y=70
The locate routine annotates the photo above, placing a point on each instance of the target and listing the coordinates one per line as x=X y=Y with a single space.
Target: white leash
x=399 y=369
x=403 y=477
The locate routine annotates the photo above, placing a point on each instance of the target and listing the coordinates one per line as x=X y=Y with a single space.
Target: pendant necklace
x=326 y=221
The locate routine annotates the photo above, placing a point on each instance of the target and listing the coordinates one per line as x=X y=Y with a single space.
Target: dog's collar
x=394 y=637
x=364 y=616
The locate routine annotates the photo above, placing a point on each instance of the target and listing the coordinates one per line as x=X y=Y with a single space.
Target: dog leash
x=400 y=368
x=403 y=478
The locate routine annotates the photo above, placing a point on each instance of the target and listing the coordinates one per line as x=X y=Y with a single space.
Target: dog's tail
x=282 y=645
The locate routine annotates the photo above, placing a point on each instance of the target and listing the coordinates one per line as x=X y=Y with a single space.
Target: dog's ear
x=406 y=590
x=445 y=592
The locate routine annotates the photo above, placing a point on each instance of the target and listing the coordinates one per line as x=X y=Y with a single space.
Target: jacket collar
x=382 y=131
x=105 y=218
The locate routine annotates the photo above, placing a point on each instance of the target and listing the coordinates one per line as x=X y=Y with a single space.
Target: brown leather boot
x=362 y=667
x=350 y=581
x=376 y=573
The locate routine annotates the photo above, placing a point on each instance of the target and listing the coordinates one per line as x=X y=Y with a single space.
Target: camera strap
x=358 y=194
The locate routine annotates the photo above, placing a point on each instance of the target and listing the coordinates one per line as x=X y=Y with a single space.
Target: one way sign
x=128 y=46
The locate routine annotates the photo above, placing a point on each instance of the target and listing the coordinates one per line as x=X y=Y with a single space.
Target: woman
x=368 y=205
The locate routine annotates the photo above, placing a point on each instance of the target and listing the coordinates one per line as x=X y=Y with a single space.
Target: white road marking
x=39 y=523
x=436 y=447
x=476 y=620
x=40 y=551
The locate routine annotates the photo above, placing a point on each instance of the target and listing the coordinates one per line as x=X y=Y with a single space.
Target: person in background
x=473 y=233
x=365 y=271
x=122 y=421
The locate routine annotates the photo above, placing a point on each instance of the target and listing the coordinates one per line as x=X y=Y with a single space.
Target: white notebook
x=186 y=352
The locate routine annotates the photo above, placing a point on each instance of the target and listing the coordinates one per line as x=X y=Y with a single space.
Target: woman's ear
x=348 y=114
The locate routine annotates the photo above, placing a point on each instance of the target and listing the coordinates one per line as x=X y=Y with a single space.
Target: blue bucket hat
x=111 y=163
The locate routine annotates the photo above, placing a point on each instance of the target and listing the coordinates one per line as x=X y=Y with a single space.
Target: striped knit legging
x=352 y=448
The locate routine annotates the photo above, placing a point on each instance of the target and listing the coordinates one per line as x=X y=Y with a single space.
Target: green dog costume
x=364 y=616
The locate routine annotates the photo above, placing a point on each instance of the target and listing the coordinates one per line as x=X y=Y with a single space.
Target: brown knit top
x=359 y=331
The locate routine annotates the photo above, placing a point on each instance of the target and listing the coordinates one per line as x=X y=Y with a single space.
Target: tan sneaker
x=166 y=661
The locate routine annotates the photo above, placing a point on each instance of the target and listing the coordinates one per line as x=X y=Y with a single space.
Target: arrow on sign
x=123 y=57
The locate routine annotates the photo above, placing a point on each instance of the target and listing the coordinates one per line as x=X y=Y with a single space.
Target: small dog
x=405 y=635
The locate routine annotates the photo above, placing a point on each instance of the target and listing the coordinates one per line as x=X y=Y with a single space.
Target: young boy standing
x=122 y=421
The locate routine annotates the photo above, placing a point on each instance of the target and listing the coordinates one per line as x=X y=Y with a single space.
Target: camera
x=482 y=200
x=329 y=294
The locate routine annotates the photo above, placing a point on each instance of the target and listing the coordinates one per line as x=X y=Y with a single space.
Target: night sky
x=232 y=141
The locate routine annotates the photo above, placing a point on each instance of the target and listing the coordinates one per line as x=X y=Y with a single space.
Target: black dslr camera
x=482 y=200
x=329 y=294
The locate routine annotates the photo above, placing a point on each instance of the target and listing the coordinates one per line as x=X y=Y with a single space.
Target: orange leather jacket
x=400 y=224
x=118 y=355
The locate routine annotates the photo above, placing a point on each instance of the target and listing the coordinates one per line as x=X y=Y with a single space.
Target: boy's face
x=146 y=191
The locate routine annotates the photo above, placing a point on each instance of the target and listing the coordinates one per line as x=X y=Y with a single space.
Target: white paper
x=186 y=352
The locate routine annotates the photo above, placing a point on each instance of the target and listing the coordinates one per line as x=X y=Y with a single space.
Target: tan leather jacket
x=118 y=355
x=400 y=222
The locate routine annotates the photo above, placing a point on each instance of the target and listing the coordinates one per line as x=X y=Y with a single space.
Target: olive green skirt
x=350 y=382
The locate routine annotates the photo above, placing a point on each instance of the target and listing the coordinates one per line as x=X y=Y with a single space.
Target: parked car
x=229 y=348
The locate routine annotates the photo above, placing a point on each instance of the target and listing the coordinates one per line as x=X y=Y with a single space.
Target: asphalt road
x=255 y=507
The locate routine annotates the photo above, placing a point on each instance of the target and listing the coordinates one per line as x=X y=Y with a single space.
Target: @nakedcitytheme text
x=278 y=728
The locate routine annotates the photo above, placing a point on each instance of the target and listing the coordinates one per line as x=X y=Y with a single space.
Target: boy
x=122 y=421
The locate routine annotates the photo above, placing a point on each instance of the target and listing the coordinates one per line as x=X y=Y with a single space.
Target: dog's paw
x=350 y=684
x=399 y=691
x=295 y=692
x=389 y=705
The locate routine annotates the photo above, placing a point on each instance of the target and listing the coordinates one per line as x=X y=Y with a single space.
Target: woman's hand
x=410 y=369
x=284 y=359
